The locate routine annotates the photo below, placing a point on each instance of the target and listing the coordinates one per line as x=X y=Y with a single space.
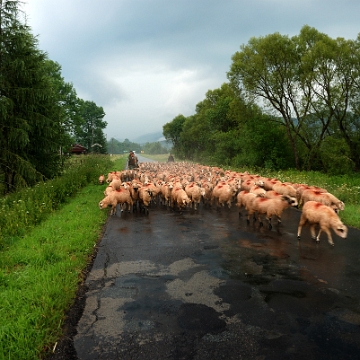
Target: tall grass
x=24 y=209
x=41 y=266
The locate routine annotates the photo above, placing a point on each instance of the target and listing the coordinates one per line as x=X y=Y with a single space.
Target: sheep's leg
x=301 y=224
x=327 y=231
x=269 y=221
x=312 y=232
x=250 y=212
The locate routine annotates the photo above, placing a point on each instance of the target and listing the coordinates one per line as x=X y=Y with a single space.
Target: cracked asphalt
x=206 y=285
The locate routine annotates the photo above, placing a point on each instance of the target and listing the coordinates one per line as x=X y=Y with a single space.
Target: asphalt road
x=206 y=285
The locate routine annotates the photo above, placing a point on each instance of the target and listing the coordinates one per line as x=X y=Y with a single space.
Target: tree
x=173 y=129
x=29 y=116
x=89 y=130
x=310 y=80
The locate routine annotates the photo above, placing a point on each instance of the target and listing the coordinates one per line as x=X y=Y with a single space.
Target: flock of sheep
x=183 y=185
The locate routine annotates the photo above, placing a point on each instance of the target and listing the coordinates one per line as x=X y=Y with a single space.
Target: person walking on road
x=133 y=162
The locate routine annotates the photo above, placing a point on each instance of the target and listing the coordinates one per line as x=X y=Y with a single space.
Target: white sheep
x=317 y=213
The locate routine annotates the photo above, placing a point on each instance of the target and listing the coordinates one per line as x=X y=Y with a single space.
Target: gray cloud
x=145 y=61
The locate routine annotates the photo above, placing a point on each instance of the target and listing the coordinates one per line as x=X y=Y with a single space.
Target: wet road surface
x=206 y=285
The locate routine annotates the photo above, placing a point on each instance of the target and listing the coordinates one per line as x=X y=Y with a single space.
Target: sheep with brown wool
x=101 y=179
x=145 y=197
x=121 y=197
x=195 y=193
x=180 y=199
x=222 y=194
x=316 y=213
x=207 y=187
x=165 y=192
x=284 y=189
x=244 y=199
x=270 y=208
x=325 y=198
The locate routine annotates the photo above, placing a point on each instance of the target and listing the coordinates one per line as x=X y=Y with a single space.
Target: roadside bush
x=29 y=207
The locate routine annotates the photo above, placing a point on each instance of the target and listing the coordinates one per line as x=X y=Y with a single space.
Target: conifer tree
x=29 y=110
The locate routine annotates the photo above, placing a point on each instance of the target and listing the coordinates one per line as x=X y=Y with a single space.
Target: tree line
x=41 y=115
x=115 y=146
x=290 y=102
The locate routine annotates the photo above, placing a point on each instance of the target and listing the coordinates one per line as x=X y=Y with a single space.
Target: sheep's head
x=103 y=204
x=341 y=230
x=292 y=201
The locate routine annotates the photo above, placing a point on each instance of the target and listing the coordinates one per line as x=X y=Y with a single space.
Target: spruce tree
x=29 y=110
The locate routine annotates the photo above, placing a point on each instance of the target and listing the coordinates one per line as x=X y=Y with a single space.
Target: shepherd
x=133 y=162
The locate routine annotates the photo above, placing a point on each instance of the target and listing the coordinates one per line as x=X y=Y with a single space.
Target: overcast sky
x=147 y=61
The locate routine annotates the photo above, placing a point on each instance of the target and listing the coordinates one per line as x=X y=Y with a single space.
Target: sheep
x=179 y=198
x=270 y=207
x=268 y=183
x=284 y=189
x=145 y=197
x=258 y=190
x=114 y=198
x=300 y=188
x=112 y=175
x=101 y=179
x=222 y=194
x=195 y=193
x=108 y=190
x=317 y=213
x=155 y=190
x=244 y=199
x=272 y=194
x=207 y=187
x=165 y=192
x=325 y=198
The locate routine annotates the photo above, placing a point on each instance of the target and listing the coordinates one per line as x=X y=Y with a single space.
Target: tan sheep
x=258 y=190
x=116 y=197
x=300 y=188
x=270 y=207
x=101 y=179
x=244 y=199
x=317 y=213
x=165 y=192
x=195 y=193
x=180 y=199
x=108 y=190
x=222 y=194
x=325 y=198
x=284 y=189
x=207 y=187
x=145 y=197
x=112 y=175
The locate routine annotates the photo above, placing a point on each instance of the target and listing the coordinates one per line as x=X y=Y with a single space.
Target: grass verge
x=40 y=273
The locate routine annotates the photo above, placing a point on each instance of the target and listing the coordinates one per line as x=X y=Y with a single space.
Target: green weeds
x=41 y=266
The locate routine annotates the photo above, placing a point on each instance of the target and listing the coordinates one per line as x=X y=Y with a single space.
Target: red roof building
x=78 y=149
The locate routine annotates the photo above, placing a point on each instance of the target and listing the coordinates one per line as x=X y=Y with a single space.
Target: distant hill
x=148 y=138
